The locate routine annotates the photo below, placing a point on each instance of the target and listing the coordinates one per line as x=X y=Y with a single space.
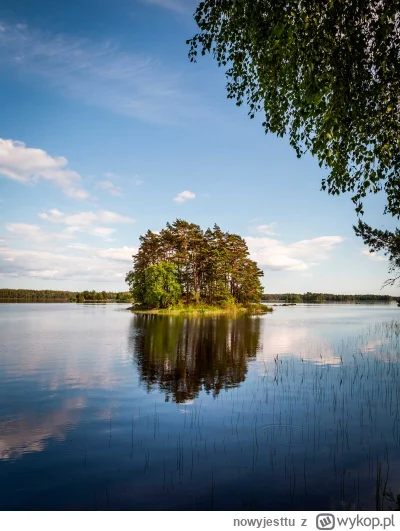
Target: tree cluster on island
x=184 y=264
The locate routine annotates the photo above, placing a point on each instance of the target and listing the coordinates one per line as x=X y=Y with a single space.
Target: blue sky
x=108 y=130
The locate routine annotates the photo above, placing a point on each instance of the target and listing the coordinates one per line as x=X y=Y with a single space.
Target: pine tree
x=211 y=266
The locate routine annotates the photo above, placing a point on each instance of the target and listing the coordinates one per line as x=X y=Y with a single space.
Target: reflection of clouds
x=72 y=347
x=72 y=375
x=49 y=350
x=30 y=433
x=298 y=341
x=74 y=380
x=184 y=409
x=381 y=349
x=372 y=345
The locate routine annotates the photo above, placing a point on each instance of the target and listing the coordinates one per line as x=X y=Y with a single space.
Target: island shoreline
x=256 y=309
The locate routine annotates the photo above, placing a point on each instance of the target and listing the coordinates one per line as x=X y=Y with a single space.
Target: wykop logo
x=325 y=521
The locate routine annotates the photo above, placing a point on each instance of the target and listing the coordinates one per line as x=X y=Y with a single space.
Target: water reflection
x=182 y=356
x=31 y=432
x=310 y=419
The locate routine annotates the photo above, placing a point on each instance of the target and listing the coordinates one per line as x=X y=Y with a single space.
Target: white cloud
x=86 y=221
x=34 y=233
x=47 y=273
x=184 y=196
x=102 y=232
x=101 y=74
x=79 y=246
x=110 y=187
x=268 y=229
x=373 y=256
x=118 y=254
x=30 y=165
x=299 y=256
x=138 y=182
x=179 y=6
x=106 y=185
x=111 y=217
x=84 y=218
x=122 y=254
x=76 y=262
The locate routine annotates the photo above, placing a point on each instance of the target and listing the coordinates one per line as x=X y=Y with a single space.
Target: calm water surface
x=102 y=409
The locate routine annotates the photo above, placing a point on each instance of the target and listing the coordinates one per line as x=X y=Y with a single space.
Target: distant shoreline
x=60 y=301
x=275 y=303
x=48 y=295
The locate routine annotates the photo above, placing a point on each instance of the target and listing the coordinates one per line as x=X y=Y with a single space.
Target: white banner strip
x=201 y=521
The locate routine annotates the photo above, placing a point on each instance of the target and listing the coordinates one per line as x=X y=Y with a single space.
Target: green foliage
x=324 y=297
x=327 y=74
x=259 y=308
x=389 y=242
x=30 y=295
x=161 y=286
x=125 y=296
x=103 y=296
x=211 y=267
x=33 y=295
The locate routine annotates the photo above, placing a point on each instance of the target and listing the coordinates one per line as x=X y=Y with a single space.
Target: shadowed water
x=102 y=409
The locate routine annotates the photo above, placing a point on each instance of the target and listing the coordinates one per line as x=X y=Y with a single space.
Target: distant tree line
x=183 y=263
x=31 y=295
x=324 y=297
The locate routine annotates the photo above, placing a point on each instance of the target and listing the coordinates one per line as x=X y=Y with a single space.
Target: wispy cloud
x=101 y=74
x=87 y=222
x=30 y=165
x=34 y=233
x=84 y=218
x=299 y=256
x=110 y=187
x=268 y=229
x=119 y=254
x=373 y=256
x=179 y=6
x=184 y=196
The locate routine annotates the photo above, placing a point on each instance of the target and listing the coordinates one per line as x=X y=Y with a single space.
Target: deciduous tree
x=327 y=75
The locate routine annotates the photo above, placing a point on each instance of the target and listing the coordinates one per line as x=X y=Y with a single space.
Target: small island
x=183 y=269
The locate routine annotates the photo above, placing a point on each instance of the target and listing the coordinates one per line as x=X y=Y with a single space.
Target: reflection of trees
x=183 y=355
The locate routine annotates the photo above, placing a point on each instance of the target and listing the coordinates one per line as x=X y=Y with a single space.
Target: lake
x=103 y=409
